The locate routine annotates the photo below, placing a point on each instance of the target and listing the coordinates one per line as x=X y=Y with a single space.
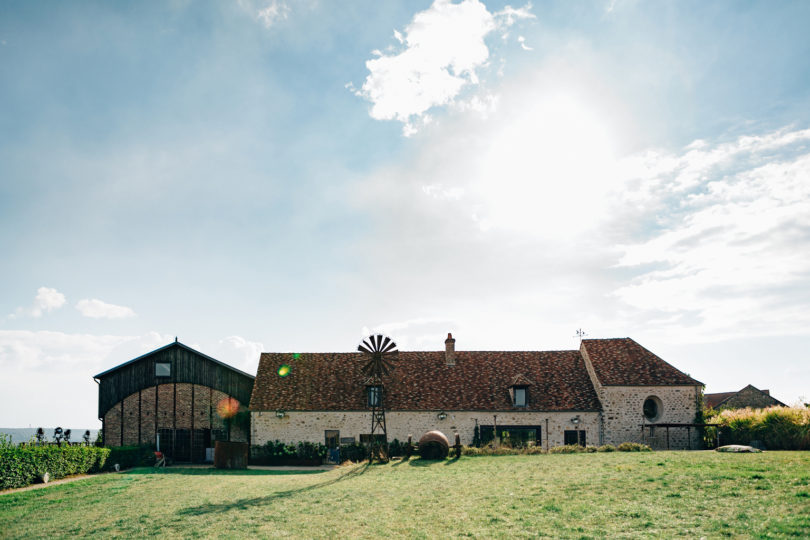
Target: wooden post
x=140 y=420
x=191 y=439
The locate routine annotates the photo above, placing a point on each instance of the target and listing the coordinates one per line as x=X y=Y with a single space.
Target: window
x=652 y=409
x=519 y=394
x=163 y=369
x=574 y=436
x=374 y=395
x=515 y=436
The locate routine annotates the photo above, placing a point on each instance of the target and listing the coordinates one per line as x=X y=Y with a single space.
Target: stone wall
x=749 y=397
x=310 y=425
x=623 y=414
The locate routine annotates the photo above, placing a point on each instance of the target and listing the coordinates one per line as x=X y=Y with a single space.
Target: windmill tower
x=379 y=353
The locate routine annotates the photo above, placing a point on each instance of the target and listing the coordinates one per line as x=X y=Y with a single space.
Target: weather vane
x=581 y=334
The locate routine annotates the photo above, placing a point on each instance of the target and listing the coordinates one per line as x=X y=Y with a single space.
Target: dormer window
x=519 y=396
x=519 y=391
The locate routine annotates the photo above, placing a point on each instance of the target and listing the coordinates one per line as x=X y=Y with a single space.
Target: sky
x=278 y=175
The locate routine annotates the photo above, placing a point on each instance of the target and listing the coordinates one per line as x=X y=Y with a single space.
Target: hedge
x=280 y=453
x=777 y=428
x=131 y=456
x=21 y=466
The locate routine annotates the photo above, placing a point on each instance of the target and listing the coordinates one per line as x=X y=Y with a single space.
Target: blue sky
x=268 y=175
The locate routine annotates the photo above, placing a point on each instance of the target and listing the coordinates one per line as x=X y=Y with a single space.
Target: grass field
x=661 y=494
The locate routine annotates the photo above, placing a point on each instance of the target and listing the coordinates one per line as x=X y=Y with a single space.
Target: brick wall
x=184 y=406
x=148 y=415
x=202 y=407
x=165 y=411
x=112 y=426
x=310 y=426
x=131 y=411
x=143 y=426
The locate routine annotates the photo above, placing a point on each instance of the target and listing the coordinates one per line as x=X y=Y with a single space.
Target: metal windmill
x=380 y=353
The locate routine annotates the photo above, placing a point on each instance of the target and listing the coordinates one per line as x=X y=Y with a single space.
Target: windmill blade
x=386 y=340
x=390 y=347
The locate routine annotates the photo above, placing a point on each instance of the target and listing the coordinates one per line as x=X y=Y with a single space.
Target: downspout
x=547 y=434
x=99 y=406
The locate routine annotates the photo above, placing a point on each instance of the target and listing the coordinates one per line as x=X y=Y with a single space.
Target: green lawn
x=660 y=494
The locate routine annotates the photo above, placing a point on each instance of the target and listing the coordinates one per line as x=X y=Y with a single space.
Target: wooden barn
x=176 y=397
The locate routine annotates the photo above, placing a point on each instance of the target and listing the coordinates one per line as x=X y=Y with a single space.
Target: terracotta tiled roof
x=623 y=362
x=421 y=381
x=713 y=400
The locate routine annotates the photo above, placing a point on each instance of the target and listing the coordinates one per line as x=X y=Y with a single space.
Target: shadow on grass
x=419 y=462
x=210 y=471
x=244 y=504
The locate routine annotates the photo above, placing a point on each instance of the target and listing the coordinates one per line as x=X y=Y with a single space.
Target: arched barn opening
x=176 y=398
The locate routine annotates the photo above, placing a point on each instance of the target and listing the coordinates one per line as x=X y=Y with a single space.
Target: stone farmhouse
x=749 y=396
x=607 y=392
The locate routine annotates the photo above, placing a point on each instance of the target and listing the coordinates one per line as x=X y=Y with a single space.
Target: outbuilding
x=177 y=398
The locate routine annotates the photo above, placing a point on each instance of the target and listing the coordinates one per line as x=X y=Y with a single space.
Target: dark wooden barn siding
x=187 y=367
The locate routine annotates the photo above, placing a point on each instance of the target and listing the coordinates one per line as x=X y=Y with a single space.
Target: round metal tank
x=434 y=445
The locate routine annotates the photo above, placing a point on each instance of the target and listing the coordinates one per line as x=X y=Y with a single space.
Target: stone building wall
x=749 y=397
x=623 y=414
x=310 y=425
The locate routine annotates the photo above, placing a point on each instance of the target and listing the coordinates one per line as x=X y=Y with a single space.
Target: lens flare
x=227 y=407
x=296 y=356
x=284 y=370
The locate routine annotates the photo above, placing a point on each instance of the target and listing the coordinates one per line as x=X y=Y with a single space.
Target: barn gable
x=176 y=397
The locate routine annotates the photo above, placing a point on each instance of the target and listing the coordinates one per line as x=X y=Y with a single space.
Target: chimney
x=766 y=392
x=450 y=350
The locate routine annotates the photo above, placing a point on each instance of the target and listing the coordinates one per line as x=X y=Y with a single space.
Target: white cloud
x=266 y=12
x=522 y=41
x=731 y=256
x=46 y=300
x=444 y=47
x=47 y=376
x=421 y=333
x=239 y=352
x=96 y=309
x=273 y=12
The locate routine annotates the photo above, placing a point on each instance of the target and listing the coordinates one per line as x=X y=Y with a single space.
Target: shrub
x=567 y=449
x=633 y=447
x=606 y=448
x=131 y=456
x=20 y=466
x=353 y=452
x=501 y=451
x=280 y=453
x=778 y=428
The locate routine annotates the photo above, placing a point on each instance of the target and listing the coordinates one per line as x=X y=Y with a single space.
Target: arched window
x=652 y=409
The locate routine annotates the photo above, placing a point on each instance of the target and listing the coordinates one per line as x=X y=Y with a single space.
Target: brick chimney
x=450 y=350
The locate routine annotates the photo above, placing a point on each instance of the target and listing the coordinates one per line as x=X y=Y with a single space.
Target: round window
x=652 y=408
